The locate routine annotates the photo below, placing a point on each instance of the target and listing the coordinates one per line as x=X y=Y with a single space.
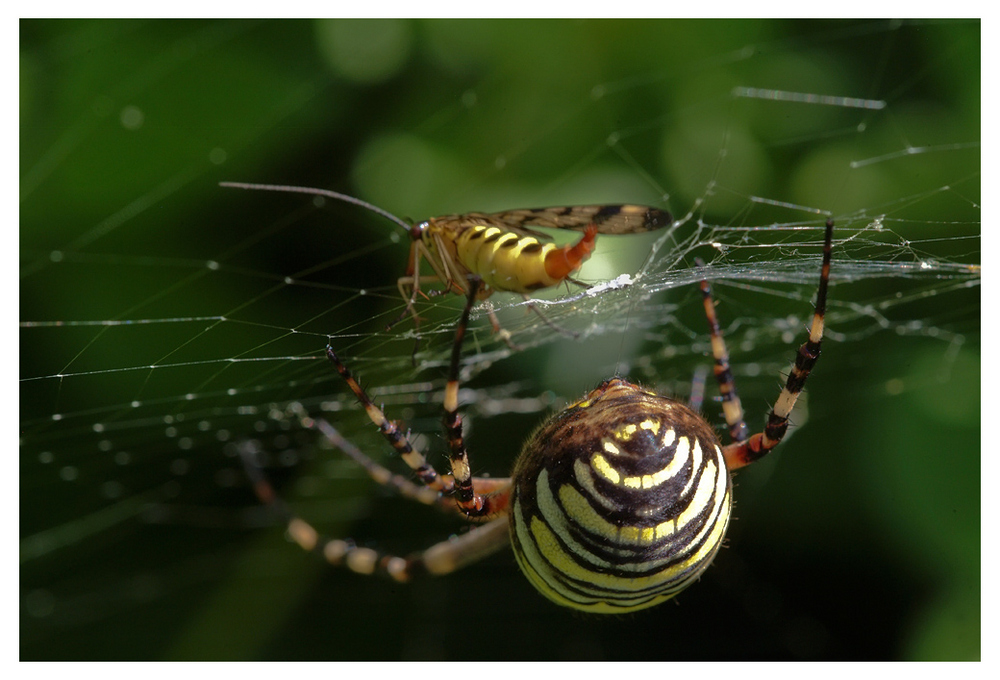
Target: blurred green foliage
x=860 y=540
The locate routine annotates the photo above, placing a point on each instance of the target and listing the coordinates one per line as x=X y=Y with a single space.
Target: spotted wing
x=609 y=219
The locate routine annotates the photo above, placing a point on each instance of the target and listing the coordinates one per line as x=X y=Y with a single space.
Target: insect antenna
x=318 y=192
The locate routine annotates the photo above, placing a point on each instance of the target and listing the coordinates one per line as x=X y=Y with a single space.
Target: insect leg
x=548 y=322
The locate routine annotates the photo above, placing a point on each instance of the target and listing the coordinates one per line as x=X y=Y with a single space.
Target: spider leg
x=477 y=498
x=698 y=388
x=425 y=471
x=404 y=487
x=470 y=501
x=731 y=407
x=742 y=453
x=439 y=559
x=382 y=475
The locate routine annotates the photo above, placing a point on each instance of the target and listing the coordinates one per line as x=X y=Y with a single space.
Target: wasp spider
x=617 y=503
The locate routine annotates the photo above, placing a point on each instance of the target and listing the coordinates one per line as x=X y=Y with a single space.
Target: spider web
x=166 y=320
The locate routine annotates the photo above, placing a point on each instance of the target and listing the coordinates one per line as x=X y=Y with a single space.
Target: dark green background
x=859 y=540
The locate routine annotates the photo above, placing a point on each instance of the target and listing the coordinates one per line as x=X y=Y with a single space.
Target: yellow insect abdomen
x=504 y=260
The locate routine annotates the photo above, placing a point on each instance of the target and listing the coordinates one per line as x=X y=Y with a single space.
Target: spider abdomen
x=620 y=501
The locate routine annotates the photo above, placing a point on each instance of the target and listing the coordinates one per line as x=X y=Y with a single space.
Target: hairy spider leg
x=742 y=453
x=425 y=472
x=477 y=499
x=439 y=559
x=469 y=499
x=731 y=407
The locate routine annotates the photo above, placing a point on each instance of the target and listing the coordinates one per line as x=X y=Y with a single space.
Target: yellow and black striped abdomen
x=620 y=501
x=505 y=260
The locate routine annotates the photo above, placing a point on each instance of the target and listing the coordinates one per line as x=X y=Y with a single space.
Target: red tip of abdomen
x=564 y=261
